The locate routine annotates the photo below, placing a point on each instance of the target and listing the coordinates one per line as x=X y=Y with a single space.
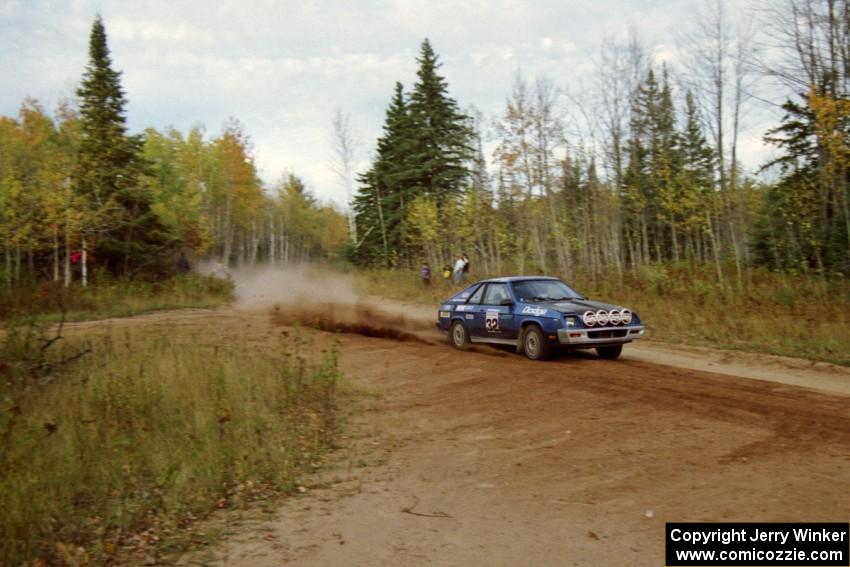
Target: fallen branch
x=49 y=342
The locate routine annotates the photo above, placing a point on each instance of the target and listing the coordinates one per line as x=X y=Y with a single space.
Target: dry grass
x=115 y=298
x=798 y=316
x=116 y=454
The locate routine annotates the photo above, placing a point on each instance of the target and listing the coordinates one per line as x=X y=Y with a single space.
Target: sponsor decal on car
x=460 y=308
x=536 y=311
x=470 y=316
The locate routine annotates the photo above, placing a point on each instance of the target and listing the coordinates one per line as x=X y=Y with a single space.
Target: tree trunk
x=67 y=259
x=271 y=240
x=383 y=226
x=17 y=263
x=30 y=263
x=55 y=254
x=737 y=252
x=255 y=243
x=8 y=251
x=675 y=239
x=716 y=250
x=84 y=259
x=227 y=229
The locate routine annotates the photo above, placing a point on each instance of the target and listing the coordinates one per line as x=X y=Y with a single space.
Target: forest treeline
x=645 y=169
x=642 y=166
x=80 y=195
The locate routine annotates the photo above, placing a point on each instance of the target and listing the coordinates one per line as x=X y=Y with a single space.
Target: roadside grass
x=115 y=298
x=789 y=315
x=111 y=457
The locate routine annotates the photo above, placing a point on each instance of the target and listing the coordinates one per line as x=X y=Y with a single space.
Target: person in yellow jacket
x=447 y=275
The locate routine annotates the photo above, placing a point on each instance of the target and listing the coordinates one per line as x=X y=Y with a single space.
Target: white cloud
x=282 y=68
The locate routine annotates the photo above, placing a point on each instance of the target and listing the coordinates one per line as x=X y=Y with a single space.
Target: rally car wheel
x=534 y=344
x=458 y=335
x=609 y=352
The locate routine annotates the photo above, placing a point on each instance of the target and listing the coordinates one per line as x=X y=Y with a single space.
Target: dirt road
x=486 y=458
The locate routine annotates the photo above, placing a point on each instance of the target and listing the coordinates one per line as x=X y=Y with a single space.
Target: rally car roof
x=517 y=278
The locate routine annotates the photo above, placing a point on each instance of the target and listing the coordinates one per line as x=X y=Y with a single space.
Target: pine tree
x=395 y=171
x=129 y=235
x=385 y=189
x=667 y=162
x=695 y=184
x=441 y=132
x=424 y=151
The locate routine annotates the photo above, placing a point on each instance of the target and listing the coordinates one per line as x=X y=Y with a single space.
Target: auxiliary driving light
x=588 y=318
x=602 y=317
x=614 y=317
x=625 y=316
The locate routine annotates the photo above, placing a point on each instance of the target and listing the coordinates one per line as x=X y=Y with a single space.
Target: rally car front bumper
x=602 y=336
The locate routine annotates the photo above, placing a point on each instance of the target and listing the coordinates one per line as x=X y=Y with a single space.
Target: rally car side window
x=496 y=293
x=476 y=297
x=463 y=296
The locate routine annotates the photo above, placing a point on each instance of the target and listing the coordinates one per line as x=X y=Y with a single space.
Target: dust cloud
x=269 y=287
x=327 y=300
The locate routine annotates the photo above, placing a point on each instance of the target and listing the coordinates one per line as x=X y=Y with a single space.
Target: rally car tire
x=609 y=352
x=459 y=336
x=534 y=344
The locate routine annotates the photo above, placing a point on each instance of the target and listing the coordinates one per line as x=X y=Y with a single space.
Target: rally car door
x=494 y=318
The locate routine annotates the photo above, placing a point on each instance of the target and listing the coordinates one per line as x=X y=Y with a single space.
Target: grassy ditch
x=115 y=298
x=800 y=316
x=112 y=447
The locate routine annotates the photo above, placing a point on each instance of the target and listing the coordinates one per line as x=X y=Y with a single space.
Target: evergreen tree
x=424 y=151
x=636 y=189
x=440 y=130
x=386 y=189
x=667 y=162
x=698 y=157
x=695 y=181
x=804 y=223
x=129 y=235
x=396 y=172
x=651 y=190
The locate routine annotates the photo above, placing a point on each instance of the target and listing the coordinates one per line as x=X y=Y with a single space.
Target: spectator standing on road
x=458 y=270
x=426 y=274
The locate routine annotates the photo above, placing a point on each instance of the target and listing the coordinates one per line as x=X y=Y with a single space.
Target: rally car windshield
x=544 y=290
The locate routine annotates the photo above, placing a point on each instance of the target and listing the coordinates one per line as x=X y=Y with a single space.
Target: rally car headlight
x=571 y=321
x=614 y=317
x=625 y=316
x=588 y=318
x=602 y=317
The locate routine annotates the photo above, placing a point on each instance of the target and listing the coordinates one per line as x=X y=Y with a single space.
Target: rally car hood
x=575 y=305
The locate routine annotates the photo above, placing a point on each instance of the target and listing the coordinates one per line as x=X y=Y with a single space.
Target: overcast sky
x=282 y=67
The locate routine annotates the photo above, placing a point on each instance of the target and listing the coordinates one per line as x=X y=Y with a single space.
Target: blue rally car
x=537 y=315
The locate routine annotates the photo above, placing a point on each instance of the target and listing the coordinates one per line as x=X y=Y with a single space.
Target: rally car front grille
x=607 y=334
